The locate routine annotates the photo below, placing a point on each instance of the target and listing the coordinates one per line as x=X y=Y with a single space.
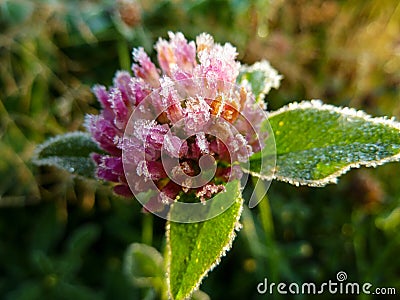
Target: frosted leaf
x=70 y=152
x=316 y=143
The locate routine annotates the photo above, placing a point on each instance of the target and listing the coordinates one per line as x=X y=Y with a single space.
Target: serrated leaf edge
x=346 y=111
x=57 y=138
x=272 y=77
x=258 y=175
x=223 y=252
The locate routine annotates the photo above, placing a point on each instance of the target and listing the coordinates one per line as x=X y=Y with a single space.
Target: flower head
x=189 y=124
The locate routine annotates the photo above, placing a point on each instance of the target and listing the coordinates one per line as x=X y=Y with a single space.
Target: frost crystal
x=215 y=118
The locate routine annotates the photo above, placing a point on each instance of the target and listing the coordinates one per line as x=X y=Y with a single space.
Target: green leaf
x=260 y=77
x=82 y=238
x=316 y=143
x=145 y=266
x=70 y=152
x=193 y=249
x=200 y=295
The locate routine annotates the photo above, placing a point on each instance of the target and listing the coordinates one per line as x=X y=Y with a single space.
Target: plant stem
x=271 y=247
x=123 y=54
x=147 y=229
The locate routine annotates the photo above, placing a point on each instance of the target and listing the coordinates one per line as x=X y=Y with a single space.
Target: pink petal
x=144 y=68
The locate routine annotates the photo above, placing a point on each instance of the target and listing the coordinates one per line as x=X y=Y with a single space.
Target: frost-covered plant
x=192 y=95
x=182 y=136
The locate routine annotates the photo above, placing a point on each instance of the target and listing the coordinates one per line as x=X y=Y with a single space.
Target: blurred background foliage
x=64 y=238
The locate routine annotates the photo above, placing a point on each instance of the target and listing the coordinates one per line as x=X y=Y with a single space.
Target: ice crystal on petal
x=103 y=132
x=140 y=90
x=217 y=63
x=204 y=41
x=174 y=146
x=153 y=170
x=208 y=190
x=171 y=102
x=122 y=81
x=202 y=142
x=144 y=68
x=102 y=95
x=120 y=110
x=199 y=114
x=176 y=53
x=110 y=168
